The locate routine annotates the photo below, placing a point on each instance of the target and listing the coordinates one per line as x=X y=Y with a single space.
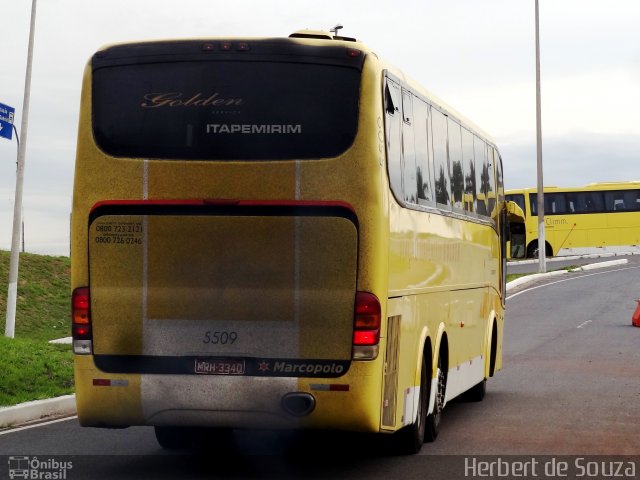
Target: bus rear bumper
x=118 y=400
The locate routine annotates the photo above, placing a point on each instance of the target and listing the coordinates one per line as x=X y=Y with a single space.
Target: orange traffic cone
x=635 y=319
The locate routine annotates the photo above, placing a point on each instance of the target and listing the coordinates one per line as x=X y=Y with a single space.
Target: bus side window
x=409 y=183
x=424 y=177
x=470 y=191
x=572 y=203
x=390 y=107
x=482 y=175
x=456 y=164
x=393 y=128
x=491 y=181
x=630 y=200
x=440 y=157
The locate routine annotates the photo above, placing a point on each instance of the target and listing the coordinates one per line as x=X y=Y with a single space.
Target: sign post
x=12 y=293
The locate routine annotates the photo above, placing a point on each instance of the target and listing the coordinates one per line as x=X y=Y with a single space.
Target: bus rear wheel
x=172 y=438
x=476 y=393
x=532 y=250
x=411 y=438
x=433 y=419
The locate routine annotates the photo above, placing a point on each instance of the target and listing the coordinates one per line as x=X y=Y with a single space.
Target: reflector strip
x=333 y=387
x=107 y=382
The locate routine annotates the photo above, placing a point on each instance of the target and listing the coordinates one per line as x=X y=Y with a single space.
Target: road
x=569 y=387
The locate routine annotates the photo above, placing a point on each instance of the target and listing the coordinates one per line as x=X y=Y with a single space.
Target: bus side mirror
x=516 y=233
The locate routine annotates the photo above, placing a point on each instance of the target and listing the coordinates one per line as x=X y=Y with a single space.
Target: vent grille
x=391 y=372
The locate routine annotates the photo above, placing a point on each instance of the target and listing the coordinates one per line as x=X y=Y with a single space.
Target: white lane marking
x=36 y=425
x=568 y=279
x=584 y=324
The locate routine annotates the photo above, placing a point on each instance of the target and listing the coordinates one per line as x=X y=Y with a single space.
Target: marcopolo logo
x=308 y=368
x=38 y=469
x=284 y=367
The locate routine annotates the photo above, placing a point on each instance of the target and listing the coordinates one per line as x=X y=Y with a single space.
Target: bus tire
x=194 y=438
x=532 y=250
x=172 y=438
x=476 y=393
x=411 y=438
x=433 y=419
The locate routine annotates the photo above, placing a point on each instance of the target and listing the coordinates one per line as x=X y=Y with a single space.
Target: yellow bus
x=281 y=233
x=599 y=217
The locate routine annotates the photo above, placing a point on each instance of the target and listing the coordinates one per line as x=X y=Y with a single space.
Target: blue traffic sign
x=6 y=121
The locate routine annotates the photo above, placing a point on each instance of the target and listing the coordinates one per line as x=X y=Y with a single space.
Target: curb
x=575 y=257
x=592 y=266
x=37 y=410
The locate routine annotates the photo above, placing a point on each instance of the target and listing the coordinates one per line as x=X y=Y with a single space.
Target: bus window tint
x=410 y=184
x=590 y=202
x=440 y=161
x=470 y=191
x=456 y=164
x=435 y=161
x=622 y=200
x=234 y=110
x=562 y=203
x=554 y=203
x=424 y=178
x=393 y=135
x=480 y=151
x=491 y=181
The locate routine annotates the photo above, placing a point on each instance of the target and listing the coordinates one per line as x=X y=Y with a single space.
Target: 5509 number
x=220 y=338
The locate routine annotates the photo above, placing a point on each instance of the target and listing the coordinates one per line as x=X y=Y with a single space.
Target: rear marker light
x=366 y=327
x=242 y=47
x=208 y=47
x=82 y=347
x=107 y=382
x=353 y=53
x=81 y=321
x=225 y=46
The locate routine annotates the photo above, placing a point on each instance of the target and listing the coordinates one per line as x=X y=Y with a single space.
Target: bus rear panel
x=219 y=273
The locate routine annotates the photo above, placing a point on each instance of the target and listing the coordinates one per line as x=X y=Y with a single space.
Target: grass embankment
x=31 y=367
x=513 y=276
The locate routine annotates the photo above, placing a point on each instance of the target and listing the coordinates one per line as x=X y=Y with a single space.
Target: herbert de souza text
x=579 y=467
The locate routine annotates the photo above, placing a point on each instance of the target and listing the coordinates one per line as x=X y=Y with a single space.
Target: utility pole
x=542 y=260
x=12 y=294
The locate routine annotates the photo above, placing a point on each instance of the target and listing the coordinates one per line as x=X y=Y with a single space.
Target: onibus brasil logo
x=36 y=469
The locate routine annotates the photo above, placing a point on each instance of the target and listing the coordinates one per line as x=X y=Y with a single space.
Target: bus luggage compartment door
x=227 y=291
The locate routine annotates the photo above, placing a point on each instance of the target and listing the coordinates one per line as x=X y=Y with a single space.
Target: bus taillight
x=366 y=328
x=81 y=321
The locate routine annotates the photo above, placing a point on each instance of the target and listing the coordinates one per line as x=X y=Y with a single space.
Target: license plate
x=219 y=367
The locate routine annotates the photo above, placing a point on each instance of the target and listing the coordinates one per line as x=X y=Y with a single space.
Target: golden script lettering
x=177 y=99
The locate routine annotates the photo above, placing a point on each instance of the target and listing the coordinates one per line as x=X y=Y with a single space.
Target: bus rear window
x=225 y=110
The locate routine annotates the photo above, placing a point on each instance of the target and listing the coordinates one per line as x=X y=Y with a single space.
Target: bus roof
x=595 y=186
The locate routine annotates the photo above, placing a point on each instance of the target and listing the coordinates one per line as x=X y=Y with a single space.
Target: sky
x=477 y=55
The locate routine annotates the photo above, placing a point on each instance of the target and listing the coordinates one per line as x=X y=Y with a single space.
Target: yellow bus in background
x=281 y=233
x=599 y=217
